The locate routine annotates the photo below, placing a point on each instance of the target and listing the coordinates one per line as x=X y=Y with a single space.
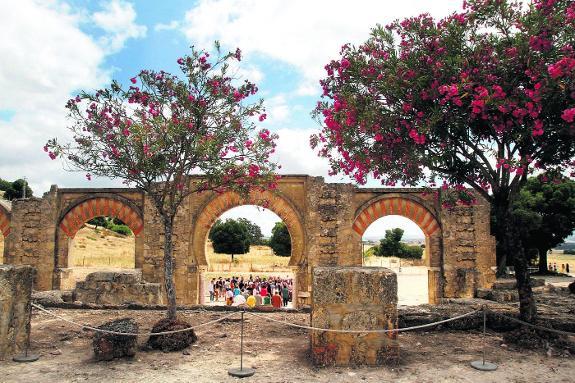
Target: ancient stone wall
x=117 y=288
x=354 y=298
x=32 y=236
x=325 y=220
x=15 y=294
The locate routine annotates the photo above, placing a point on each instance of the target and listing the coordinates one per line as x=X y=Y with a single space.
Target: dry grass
x=259 y=259
x=1 y=249
x=101 y=248
x=560 y=259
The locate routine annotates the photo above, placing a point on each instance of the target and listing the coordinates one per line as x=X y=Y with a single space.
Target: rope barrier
x=531 y=325
x=129 y=333
x=305 y=327
x=369 y=331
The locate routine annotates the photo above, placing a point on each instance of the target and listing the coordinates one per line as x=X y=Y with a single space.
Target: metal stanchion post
x=27 y=357
x=482 y=365
x=241 y=372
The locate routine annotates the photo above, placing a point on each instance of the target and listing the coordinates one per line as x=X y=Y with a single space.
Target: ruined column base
x=354 y=298
x=15 y=294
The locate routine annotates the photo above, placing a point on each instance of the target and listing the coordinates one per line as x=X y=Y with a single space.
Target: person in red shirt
x=276 y=301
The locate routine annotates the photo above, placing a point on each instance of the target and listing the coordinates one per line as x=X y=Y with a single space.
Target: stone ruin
x=326 y=222
x=354 y=298
x=15 y=298
x=117 y=288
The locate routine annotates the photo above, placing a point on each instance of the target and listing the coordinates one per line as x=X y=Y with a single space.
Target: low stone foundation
x=117 y=288
x=354 y=298
x=15 y=294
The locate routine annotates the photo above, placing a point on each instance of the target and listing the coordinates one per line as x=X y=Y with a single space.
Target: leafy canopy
x=483 y=98
x=163 y=128
x=230 y=237
x=391 y=246
x=280 y=242
x=546 y=213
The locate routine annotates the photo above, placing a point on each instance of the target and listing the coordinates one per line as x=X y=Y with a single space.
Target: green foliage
x=121 y=229
x=254 y=231
x=13 y=190
x=391 y=246
x=569 y=252
x=545 y=212
x=280 y=242
x=230 y=237
x=113 y=224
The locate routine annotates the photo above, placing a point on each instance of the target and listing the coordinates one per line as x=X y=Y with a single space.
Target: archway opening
x=248 y=251
x=398 y=243
x=101 y=244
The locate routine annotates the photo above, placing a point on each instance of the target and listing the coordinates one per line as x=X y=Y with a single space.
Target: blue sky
x=50 y=49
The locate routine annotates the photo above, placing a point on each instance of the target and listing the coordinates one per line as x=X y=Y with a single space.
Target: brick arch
x=4 y=220
x=273 y=201
x=405 y=206
x=81 y=211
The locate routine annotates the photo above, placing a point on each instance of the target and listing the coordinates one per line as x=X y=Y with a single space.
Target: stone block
x=114 y=288
x=15 y=296
x=354 y=298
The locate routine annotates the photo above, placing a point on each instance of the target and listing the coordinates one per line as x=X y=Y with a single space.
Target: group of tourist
x=252 y=292
x=564 y=267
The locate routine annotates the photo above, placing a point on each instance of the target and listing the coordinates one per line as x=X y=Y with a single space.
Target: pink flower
x=133 y=80
x=52 y=155
x=88 y=177
x=238 y=54
x=568 y=115
x=254 y=170
x=345 y=63
x=46 y=148
x=263 y=117
x=378 y=137
x=180 y=61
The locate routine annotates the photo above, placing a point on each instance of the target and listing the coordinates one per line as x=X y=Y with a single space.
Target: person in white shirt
x=239 y=300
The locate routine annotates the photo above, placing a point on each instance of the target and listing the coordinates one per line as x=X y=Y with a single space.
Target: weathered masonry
x=326 y=222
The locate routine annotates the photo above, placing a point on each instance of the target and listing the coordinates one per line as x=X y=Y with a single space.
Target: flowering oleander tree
x=480 y=99
x=163 y=128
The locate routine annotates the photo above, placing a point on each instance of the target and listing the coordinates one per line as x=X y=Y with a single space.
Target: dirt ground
x=278 y=353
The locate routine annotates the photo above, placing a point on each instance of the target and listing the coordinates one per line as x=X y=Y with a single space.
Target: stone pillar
x=15 y=295
x=354 y=298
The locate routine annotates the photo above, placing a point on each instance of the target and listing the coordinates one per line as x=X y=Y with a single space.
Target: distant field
x=259 y=259
x=562 y=258
x=102 y=248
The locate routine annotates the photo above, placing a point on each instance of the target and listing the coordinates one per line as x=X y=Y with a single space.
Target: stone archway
x=84 y=209
x=214 y=208
x=424 y=216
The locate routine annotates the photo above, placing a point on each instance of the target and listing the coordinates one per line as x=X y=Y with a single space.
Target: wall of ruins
x=321 y=218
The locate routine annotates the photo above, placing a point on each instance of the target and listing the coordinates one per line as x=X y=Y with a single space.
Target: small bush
x=120 y=229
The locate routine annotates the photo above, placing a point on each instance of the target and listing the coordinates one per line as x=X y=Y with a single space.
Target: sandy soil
x=279 y=354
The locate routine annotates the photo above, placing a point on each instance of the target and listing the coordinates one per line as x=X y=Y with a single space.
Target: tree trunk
x=169 y=268
x=510 y=247
x=515 y=251
x=543 y=261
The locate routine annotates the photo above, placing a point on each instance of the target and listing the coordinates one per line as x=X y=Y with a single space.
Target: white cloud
x=277 y=109
x=167 y=27
x=305 y=34
x=117 y=19
x=45 y=58
x=295 y=156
